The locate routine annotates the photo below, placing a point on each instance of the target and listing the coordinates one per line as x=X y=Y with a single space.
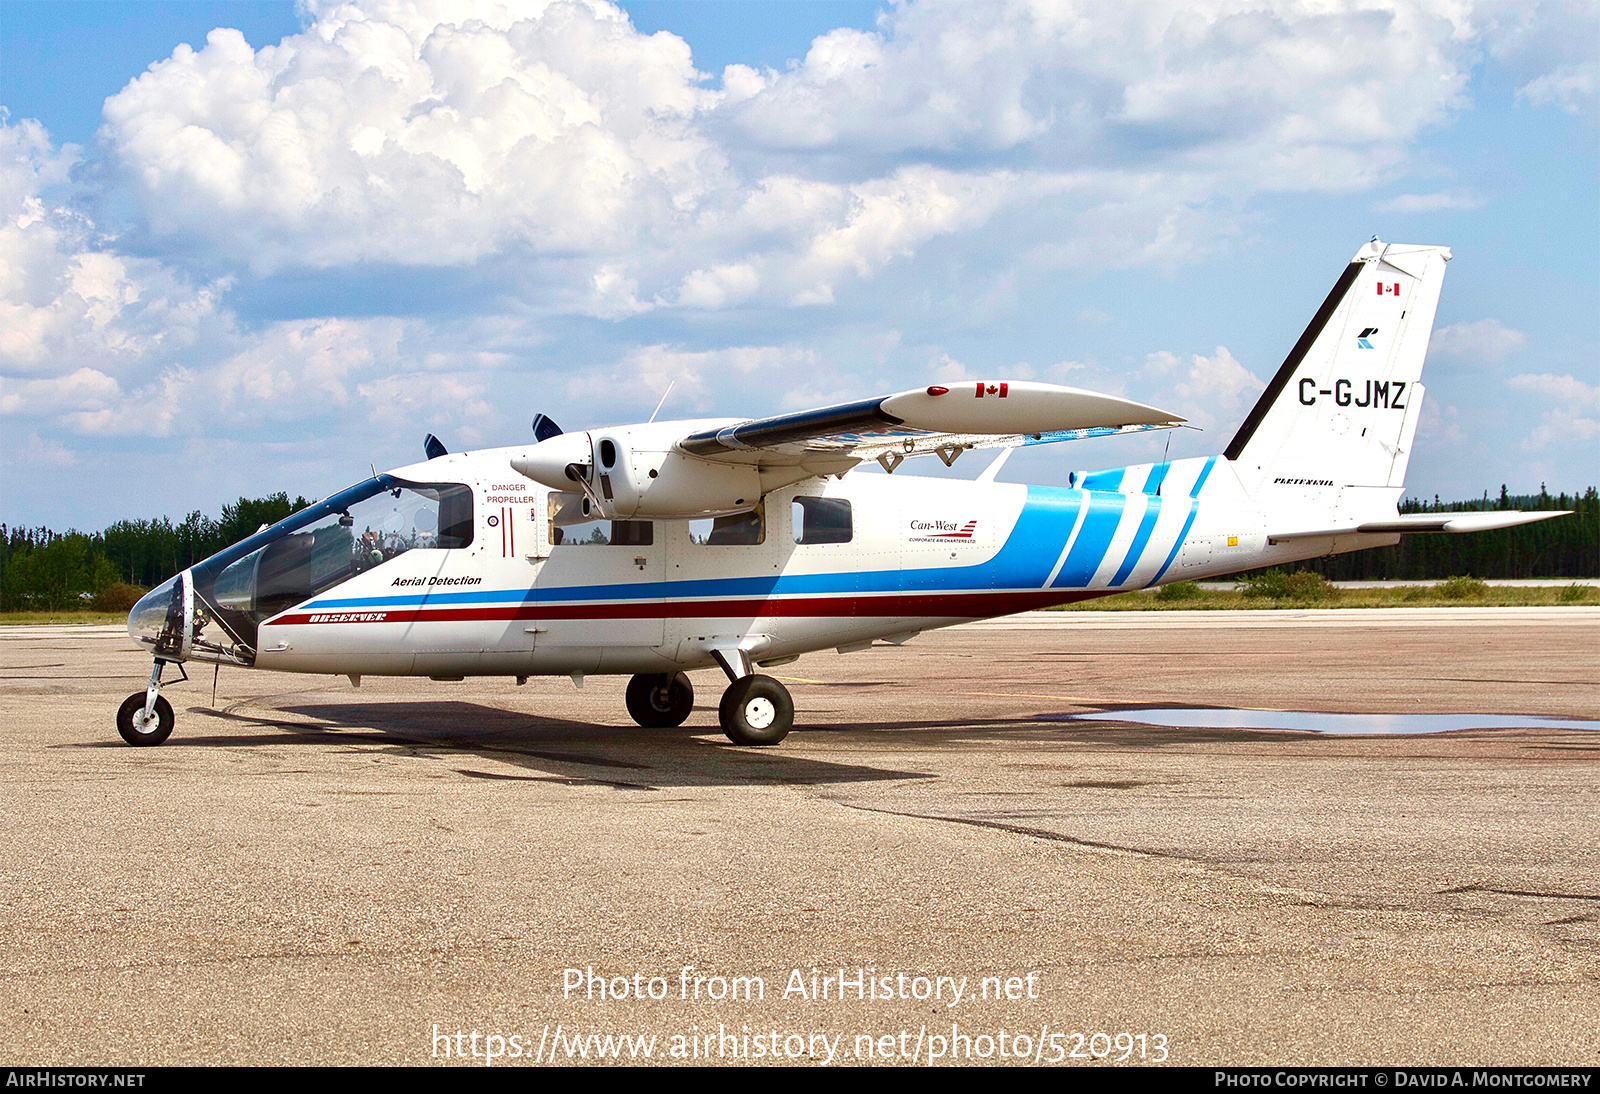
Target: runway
x=312 y=873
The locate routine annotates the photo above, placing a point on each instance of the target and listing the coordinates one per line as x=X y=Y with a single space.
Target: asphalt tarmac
x=313 y=873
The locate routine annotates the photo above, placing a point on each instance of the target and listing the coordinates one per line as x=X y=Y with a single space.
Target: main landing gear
x=660 y=700
x=755 y=709
x=146 y=717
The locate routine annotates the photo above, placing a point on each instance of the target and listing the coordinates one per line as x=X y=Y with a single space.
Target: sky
x=249 y=247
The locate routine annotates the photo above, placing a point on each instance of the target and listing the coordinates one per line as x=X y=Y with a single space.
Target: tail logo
x=1362 y=338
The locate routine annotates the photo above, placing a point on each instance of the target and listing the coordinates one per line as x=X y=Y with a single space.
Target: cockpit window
x=354 y=537
x=307 y=553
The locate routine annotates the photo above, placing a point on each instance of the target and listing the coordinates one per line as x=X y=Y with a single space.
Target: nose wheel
x=145 y=717
x=756 y=710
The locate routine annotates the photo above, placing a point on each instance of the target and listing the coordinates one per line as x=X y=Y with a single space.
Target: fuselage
x=501 y=581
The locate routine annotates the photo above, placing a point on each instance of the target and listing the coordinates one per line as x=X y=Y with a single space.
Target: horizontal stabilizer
x=1429 y=522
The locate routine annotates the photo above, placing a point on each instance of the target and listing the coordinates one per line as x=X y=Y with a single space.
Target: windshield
x=307 y=553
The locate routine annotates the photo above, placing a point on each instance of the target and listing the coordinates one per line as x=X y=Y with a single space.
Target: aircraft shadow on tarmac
x=560 y=750
x=629 y=757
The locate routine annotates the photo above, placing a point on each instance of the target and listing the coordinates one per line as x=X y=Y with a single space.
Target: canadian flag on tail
x=1388 y=288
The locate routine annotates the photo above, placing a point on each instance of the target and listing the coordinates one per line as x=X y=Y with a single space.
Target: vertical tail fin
x=1337 y=420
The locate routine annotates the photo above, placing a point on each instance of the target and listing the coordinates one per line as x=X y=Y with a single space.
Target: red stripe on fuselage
x=942 y=605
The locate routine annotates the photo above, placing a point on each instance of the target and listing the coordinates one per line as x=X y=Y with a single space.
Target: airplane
x=657 y=549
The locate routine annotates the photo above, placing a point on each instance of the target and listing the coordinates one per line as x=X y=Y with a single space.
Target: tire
x=132 y=713
x=660 y=700
x=756 y=710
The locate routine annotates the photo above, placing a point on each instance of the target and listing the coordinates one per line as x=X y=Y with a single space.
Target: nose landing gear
x=145 y=717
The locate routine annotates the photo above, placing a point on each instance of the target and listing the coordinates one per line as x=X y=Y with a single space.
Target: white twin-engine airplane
x=660 y=548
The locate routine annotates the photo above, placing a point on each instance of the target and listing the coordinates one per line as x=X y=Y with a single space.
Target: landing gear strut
x=756 y=709
x=660 y=700
x=146 y=717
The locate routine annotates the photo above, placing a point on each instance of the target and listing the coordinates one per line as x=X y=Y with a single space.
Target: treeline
x=1563 y=547
x=51 y=571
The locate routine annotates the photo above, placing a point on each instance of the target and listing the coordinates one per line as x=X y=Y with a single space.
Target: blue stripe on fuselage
x=1194 y=507
x=1158 y=475
x=1089 y=549
x=1147 y=524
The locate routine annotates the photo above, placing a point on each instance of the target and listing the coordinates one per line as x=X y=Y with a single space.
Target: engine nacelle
x=634 y=474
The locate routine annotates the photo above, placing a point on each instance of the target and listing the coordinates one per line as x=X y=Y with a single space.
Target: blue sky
x=268 y=259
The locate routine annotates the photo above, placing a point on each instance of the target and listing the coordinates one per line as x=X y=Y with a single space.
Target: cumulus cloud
x=402 y=131
x=1486 y=340
x=1575 y=421
x=1548 y=48
x=65 y=302
x=1208 y=391
x=293 y=365
x=730 y=378
x=1297 y=93
x=392 y=131
x=1440 y=425
x=1565 y=389
x=1438 y=202
x=102 y=344
x=1571 y=87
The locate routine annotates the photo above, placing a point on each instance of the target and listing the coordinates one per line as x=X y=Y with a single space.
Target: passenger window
x=822 y=520
x=734 y=530
x=602 y=533
x=569 y=526
x=632 y=533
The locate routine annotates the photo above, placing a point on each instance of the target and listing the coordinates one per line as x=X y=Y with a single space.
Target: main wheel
x=136 y=729
x=660 y=700
x=756 y=710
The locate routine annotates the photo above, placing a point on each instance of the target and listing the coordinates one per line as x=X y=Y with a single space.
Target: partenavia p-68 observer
x=659 y=548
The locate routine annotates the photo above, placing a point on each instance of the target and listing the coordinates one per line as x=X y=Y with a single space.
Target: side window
x=571 y=525
x=735 y=530
x=455 y=516
x=632 y=533
x=822 y=520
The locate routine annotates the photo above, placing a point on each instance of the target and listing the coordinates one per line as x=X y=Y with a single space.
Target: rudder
x=1340 y=413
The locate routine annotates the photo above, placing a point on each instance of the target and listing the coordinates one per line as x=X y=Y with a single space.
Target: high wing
x=938 y=419
x=685 y=470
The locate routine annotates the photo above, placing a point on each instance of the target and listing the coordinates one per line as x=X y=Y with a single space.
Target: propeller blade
x=433 y=447
x=544 y=428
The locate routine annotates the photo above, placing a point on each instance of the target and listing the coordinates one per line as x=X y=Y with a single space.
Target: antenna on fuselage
x=663 y=402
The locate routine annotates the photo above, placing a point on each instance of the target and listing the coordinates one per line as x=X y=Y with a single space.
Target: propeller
x=433 y=447
x=544 y=428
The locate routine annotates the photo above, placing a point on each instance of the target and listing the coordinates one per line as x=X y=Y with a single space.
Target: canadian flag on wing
x=996 y=390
